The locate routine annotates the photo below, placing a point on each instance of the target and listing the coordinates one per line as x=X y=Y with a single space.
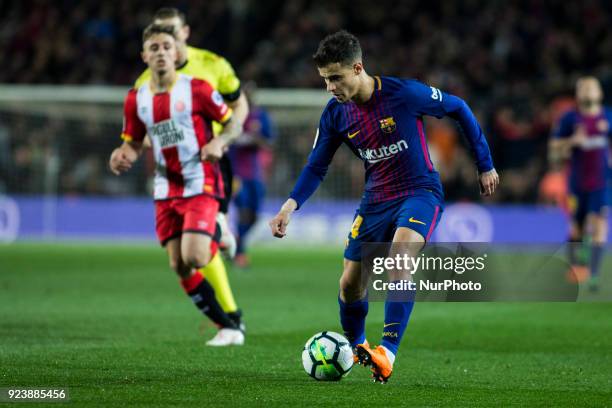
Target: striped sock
x=203 y=296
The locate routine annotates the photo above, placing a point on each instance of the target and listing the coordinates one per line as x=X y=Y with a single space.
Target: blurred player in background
x=381 y=120
x=177 y=111
x=219 y=73
x=582 y=135
x=250 y=154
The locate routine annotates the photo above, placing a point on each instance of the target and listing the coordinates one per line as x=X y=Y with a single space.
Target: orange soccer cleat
x=355 y=357
x=377 y=358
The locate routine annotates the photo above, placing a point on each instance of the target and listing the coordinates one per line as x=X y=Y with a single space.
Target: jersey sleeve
x=209 y=102
x=133 y=128
x=229 y=84
x=429 y=100
x=564 y=127
x=325 y=145
x=268 y=130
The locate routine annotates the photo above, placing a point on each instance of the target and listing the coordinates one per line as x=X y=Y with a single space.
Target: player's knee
x=197 y=259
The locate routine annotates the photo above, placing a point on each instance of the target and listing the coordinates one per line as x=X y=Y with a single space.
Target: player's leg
x=399 y=303
x=227 y=241
x=597 y=226
x=194 y=284
x=198 y=247
x=216 y=273
x=578 y=209
x=415 y=219
x=207 y=211
x=193 y=250
x=352 y=297
x=353 y=302
x=574 y=240
x=398 y=308
x=248 y=202
x=244 y=214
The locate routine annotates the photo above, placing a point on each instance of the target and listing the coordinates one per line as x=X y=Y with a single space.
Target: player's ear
x=187 y=31
x=357 y=68
x=143 y=55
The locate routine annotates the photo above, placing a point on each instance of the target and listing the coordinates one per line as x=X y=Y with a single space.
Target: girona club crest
x=179 y=106
x=387 y=125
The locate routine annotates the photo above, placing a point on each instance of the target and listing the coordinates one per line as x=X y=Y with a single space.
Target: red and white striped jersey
x=179 y=123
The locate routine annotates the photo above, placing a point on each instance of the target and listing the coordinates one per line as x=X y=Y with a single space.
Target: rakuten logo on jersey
x=383 y=153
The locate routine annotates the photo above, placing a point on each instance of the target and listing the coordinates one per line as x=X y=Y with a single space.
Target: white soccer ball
x=327 y=356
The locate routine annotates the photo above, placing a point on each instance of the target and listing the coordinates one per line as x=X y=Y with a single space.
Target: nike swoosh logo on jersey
x=411 y=219
x=352 y=135
x=389 y=324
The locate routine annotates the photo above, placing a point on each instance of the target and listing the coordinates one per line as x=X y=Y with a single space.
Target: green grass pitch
x=111 y=323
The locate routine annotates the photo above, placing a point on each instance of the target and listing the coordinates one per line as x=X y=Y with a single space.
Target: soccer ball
x=327 y=356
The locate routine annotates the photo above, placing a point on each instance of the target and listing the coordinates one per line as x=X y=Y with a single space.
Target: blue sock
x=243 y=229
x=596 y=255
x=573 y=247
x=352 y=318
x=398 y=308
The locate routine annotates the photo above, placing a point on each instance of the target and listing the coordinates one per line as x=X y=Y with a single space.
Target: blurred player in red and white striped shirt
x=177 y=111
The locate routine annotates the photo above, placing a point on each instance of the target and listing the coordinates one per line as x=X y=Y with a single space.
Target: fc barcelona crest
x=387 y=125
x=602 y=126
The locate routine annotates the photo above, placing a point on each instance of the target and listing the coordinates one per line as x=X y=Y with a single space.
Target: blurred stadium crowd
x=514 y=62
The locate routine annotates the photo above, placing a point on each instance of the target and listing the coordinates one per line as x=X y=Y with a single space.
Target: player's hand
x=120 y=161
x=213 y=150
x=580 y=137
x=279 y=223
x=489 y=180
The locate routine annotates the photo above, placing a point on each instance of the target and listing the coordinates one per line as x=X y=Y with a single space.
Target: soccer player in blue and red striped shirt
x=583 y=135
x=381 y=120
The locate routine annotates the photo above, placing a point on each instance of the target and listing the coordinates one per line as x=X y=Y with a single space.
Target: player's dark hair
x=153 y=29
x=169 y=12
x=342 y=47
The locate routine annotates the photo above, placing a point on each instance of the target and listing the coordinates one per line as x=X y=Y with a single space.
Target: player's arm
x=240 y=108
x=145 y=76
x=211 y=104
x=563 y=139
x=214 y=149
x=432 y=101
x=325 y=145
x=229 y=88
x=133 y=133
x=258 y=132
